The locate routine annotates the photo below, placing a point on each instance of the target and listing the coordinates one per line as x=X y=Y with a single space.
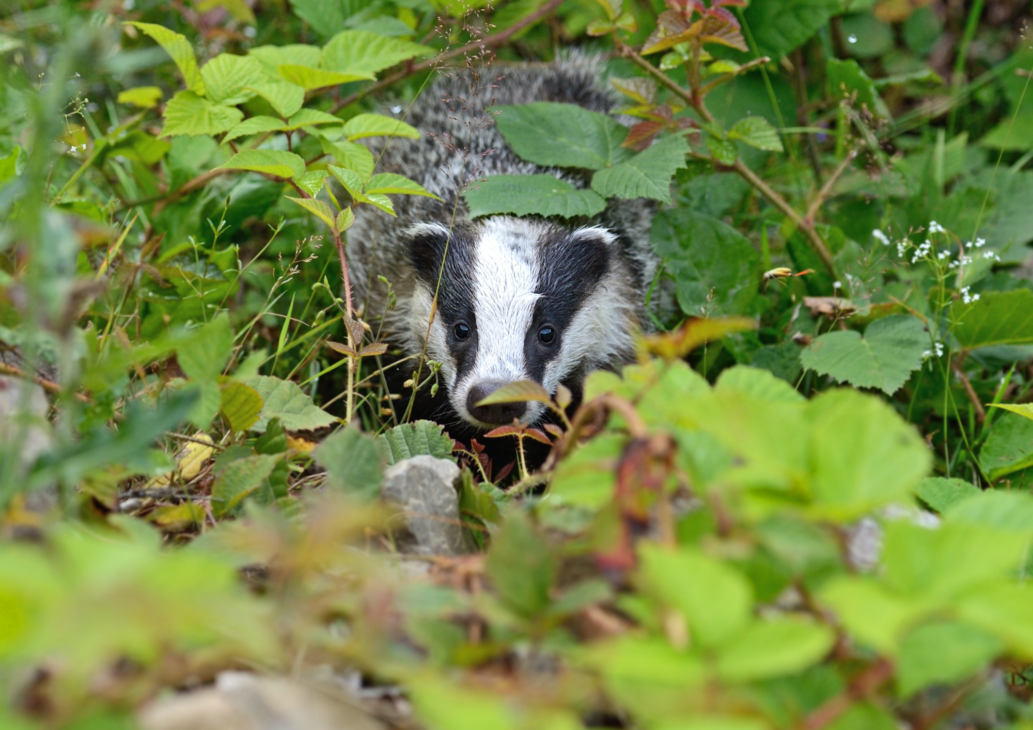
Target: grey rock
x=242 y=701
x=423 y=488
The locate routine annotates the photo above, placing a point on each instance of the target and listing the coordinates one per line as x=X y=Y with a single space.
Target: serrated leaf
x=379 y=200
x=145 y=97
x=312 y=118
x=310 y=78
x=351 y=156
x=362 y=52
x=716 y=269
x=941 y=493
x=414 y=439
x=646 y=175
x=348 y=178
x=756 y=132
x=520 y=391
x=1008 y=448
x=531 y=195
x=722 y=150
x=240 y=405
x=353 y=462
x=563 y=135
x=312 y=181
x=226 y=77
x=377 y=125
x=179 y=48
x=284 y=97
x=891 y=349
x=318 y=208
x=997 y=318
x=191 y=115
x=272 y=57
x=255 y=125
x=270 y=162
x=283 y=399
x=389 y=183
x=642 y=90
x=780 y=27
x=238 y=479
x=345 y=219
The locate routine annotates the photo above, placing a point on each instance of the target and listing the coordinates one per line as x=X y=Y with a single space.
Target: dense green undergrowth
x=192 y=483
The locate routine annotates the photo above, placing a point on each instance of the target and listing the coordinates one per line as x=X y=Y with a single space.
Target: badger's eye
x=546 y=335
x=461 y=330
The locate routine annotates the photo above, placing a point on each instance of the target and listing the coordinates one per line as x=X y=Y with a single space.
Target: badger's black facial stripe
x=455 y=295
x=571 y=266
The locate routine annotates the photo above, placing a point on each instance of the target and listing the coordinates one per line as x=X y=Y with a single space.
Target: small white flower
x=881 y=237
x=900 y=248
x=968 y=298
x=939 y=348
x=837 y=285
x=935 y=227
x=980 y=242
x=992 y=255
x=943 y=255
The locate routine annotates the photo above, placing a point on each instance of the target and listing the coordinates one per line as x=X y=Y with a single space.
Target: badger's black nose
x=498 y=414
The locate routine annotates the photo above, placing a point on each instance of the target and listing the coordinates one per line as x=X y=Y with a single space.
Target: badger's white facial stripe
x=505 y=277
x=436 y=337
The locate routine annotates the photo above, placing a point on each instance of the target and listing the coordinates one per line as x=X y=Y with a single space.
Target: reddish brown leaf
x=641 y=90
x=553 y=429
x=504 y=431
x=377 y=348
x=716 y=30
x=695 y=332
x=642 y=135
x=341 y=348
x=537 y=435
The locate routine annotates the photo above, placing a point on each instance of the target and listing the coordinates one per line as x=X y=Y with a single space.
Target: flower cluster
x=968 y=298
x=922 y=251
x=881 y=237
x=935 y=227
x=937 y=350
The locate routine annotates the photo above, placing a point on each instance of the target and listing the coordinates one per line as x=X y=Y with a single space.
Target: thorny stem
x=696 y=101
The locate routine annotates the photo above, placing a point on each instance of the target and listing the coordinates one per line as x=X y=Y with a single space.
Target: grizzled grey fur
x=519 y=298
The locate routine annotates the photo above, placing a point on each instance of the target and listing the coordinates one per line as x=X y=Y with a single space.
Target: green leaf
x=870 y=613
x=240 y=405
x=1004 y=610
x=203 y=358
x=362 y=52
x=997 y=509
x=269 y=162
x=943 y=653
x=389 y=183
x=773 y=648
x=891 y=349
x=779 y=27
x=715 y=268
x=848 y=80
x=226 y=76
x=351 y=156
x=179 y=48
x=238 y=479
x=940 y=493
x=756 y=132
x=521 y=567
x=283 y=97
x=144 y=97
x=722 y=150
x=285 y=400
x=317 y=208
x=646 y=175
x=312 y=118
x=758 y=383
x=586 y=478
x=563 y=135
x=1008 y=448
x=312 y=181
x=189 y=114
x=344 y=221
x=272 y=57
x=9 y=165
x=715 y=599
x=863 y=454
x=531 y=195
x=414 y=439
x=255 y=125
x=997 y=318
x=353 y=463
x=377 y=125
x=310 y=78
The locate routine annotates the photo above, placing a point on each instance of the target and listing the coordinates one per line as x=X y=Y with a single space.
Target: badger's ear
x=594 y=235
x=426 y=243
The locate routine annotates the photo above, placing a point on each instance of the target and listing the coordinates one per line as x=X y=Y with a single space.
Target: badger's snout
x=496 y=414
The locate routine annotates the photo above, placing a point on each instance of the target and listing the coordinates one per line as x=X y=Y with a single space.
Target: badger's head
x=518 y=300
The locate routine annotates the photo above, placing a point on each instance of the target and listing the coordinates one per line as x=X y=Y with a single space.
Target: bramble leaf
x=284 y=97
x=285 y=400
x=414 y=439
x=891 y=349
x=192 y=115
x=270 y=162
x=377 y=125
x=179 y=48
x=226 y=78
x=531 y=195
x=997 y=318
x=646 y=175
x=362 y=52
x=563 y=135
x=756 y=132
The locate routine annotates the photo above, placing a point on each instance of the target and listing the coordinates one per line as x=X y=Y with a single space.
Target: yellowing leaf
x=285 y=98
x=193 y=115
x=145 y=97
x=310 y=78
x=318 y=208
x=377 y=125
x=519 y=392
x=270 y=162
x=389 y=183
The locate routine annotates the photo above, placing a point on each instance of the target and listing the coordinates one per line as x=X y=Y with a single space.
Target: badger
x=499 y=299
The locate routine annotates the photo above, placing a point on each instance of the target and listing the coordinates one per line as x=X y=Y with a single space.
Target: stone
x=423 y=487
